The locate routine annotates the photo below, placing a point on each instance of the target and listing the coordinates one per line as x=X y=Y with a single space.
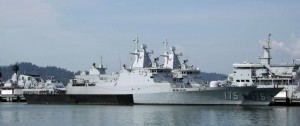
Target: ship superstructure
x=181 y=72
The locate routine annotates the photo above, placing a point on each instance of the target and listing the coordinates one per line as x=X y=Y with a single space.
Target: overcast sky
x=212 y=34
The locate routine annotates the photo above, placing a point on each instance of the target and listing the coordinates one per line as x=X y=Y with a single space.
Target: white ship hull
x=216 y=96
x=166 y=95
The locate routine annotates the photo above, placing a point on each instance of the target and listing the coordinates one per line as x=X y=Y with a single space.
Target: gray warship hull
x=122 y=99
x=180 y=96
x=261 y=96
x=165 y=95
x=209 y=96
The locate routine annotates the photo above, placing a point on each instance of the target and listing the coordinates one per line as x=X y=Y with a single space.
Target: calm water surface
x=22 y=114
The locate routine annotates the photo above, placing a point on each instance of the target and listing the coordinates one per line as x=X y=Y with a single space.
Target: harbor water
x=17 y=114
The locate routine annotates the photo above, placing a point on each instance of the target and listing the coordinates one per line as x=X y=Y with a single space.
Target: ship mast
x=101 y=68
x=136 y=51
x=142 y=58
x=166 y=46
x=266 y=58
x=171 y=59
x=101 y=62
x=136 y=40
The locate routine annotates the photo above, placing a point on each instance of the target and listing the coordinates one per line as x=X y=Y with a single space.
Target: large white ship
x=151 y=83
x=190 y=74
x=270 y=79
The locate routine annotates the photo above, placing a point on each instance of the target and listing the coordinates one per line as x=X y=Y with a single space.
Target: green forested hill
x=64 y=75
x=212 y=76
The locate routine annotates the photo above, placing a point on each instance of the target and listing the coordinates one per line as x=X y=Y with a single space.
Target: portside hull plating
x=176 y=96
x=123 y=99
x=261 y=96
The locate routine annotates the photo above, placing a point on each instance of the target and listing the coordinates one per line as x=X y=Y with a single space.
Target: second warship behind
x=148 y=83
x=259 y=96
x=12 y=90
x=276 y=81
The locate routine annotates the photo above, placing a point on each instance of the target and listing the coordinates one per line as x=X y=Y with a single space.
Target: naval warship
x=274 y=81
x=189 y=74
x=53 y=92
x=12 y=90
x=151 y=83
